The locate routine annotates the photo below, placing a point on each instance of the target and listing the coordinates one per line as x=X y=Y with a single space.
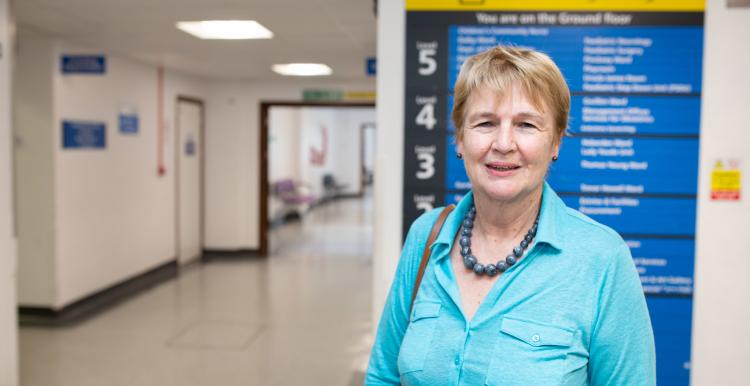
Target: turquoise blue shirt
x=571 y=312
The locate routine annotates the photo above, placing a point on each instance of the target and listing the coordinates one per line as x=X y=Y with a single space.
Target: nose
x=504 y=141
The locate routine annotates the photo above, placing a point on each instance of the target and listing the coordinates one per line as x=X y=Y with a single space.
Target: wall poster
x=631 y=158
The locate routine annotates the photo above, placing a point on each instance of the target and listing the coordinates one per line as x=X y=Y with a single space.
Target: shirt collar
x=550 y=219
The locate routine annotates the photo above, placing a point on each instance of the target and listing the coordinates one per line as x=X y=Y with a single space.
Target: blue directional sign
x=634 y=115
x=371 y=66
x=128 y=123
x=666 y=216
x=83 y=64
x=636 y=60
x=633 y=165
x=665 y=265
x=671 y=320
x=84 y=135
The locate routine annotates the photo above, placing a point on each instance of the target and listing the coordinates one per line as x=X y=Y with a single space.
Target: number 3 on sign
x=427 y=62
x=426 y=116
x=426 y=166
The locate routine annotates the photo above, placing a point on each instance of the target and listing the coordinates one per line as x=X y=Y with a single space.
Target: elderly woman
x=519 y=289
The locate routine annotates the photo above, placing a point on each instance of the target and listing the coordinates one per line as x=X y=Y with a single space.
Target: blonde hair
x=502 y=67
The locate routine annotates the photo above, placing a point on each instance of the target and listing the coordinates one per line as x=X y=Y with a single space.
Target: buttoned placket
x=446 y=279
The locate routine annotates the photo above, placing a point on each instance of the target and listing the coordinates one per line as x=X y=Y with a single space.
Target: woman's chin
x=506 y=192
x=503 y=194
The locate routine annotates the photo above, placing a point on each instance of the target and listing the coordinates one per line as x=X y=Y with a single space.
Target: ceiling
x=340 y=33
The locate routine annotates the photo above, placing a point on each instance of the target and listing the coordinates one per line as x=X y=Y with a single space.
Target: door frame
x=265 y=106
x=202 y=171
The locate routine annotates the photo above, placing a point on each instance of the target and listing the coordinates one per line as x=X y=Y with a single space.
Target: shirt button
x=535 y=338
x=457 y=361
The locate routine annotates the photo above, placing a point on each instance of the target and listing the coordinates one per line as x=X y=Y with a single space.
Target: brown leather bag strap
x=426 y=254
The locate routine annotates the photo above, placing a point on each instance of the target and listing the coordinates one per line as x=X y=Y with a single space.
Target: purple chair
x=289 y=192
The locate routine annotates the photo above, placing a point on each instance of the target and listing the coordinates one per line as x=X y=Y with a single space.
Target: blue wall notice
x=372 y=68
x=83 y=64
x=128 y=123
x=84 y=135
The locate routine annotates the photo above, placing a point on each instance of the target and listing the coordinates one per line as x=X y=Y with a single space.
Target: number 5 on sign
x=426 y=116
x=427 y=61
x=426 y=166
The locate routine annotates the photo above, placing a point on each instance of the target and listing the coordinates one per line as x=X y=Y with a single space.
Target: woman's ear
x=556 y=148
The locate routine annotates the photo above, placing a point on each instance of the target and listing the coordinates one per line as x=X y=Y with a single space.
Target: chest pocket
x=529 y=353
x=418 y=336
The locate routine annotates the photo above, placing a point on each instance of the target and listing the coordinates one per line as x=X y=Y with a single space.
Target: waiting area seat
x=331 y=188
x=292 y=199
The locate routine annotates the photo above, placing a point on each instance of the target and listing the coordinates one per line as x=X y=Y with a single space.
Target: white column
x=389 y=157
x=721 y=308
x=8 y=324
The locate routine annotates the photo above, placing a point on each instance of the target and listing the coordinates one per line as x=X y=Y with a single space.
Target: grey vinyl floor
x=299 y=317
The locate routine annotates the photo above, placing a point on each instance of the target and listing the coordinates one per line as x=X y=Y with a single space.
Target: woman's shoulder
x=585 y=225
x=423 y=224
x=595 y=249
x=593 y=242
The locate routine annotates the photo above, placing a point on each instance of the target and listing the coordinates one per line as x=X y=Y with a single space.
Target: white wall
x=347 y=147
x=283 y=143
x=343 y=146
x=721 y=313
x=389 y=160
x=294 y=131
x=370 y=148
x=33 y=120
x=233 y=121
x=89 y=219
x=115 y=214
x=314 y=123
x=8 y=329
x=283 y=154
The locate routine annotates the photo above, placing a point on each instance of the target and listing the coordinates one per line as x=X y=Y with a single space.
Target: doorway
x=311 y=156
x=189 y=191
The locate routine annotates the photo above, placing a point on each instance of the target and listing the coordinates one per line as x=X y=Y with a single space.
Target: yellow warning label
x=725 y=183
x=553 y=5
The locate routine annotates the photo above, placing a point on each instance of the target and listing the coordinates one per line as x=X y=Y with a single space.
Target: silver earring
x=554 y=158
x=459 y=156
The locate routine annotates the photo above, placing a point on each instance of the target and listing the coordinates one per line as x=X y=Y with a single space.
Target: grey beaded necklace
x=470 y=261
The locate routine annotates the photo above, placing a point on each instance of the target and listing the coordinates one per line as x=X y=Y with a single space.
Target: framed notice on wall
x=630 y=160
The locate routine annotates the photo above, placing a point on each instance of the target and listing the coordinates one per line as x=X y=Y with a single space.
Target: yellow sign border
x=552 y=5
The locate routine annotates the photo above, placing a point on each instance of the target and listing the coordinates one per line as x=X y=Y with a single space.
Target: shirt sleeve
x=383 y=366
x=622 y=341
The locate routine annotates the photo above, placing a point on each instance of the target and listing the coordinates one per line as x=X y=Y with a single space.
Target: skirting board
x=99 y=301
x=220 y=254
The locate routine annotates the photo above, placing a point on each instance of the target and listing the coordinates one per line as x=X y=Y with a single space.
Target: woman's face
x=507 y=144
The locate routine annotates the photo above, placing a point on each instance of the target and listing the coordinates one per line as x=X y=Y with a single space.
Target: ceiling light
x=226 y=29
x=302 y=69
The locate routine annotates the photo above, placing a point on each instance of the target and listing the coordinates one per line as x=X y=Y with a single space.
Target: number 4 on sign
x=426 y=116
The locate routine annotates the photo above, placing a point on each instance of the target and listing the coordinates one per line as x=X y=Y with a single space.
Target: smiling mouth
x=503 y=167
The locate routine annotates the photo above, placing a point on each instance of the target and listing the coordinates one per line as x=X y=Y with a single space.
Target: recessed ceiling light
x=302 y=69
x=226 y=29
